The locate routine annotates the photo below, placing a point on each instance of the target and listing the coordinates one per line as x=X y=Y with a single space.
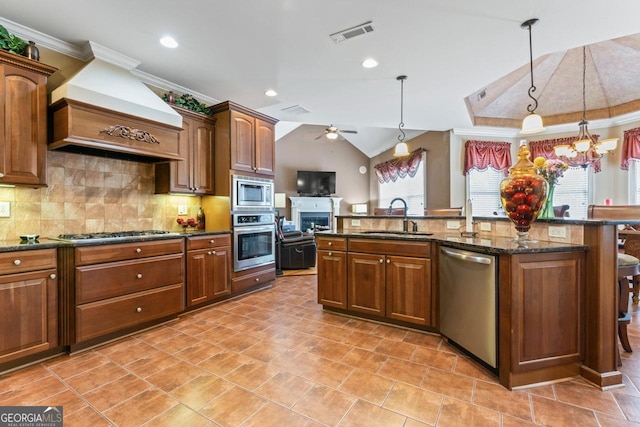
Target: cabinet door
x=29 y=307
x=181 y=170
x=265 y=148
x=220 y=279
x=366 y=283
x=197 y=277
x=408 y=289
x=23 y=126
x=202 y=158
x=242 y=142
x=332 y=279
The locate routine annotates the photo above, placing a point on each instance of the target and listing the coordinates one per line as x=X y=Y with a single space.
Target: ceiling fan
x=333 y=132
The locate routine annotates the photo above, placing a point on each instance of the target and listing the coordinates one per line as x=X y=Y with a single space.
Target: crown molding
x=166 y=85
x=44 y=40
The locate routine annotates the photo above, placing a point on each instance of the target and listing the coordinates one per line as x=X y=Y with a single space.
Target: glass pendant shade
x=532 y=124
x=332 y=135
x=401 y=149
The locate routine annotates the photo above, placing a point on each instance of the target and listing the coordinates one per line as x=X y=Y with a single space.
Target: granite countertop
x=45 y=242
x=484 y=244
x=555 y=221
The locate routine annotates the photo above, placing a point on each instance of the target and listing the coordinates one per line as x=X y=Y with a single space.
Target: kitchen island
x=556 y=300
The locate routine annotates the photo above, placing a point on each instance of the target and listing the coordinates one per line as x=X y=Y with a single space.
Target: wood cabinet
x=23 y=120
x=195 y=174
x=541 y=331
x=29 y=304
x=245 y=143
x=208 y=268
x=120 y=287
x=390 y=279
x=252 y=278
x=332 y=271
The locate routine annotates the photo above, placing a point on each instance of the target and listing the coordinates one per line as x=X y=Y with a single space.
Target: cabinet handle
x=212 y=241
x=138 y=250
x=209 y=253
x=52 y=276
x=330 y=254
x=139 y=309
x=330 y=243
x=257 y=279
x=17 y=262
x=139 y=276
x=388 y=261
x=213 y=252
x=381 y=261
x=1 y=175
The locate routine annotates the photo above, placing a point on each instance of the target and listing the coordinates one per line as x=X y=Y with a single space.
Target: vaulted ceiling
x=449 y=51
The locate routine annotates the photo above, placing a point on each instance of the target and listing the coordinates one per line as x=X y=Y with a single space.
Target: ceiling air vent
x=296 y=109
x=350 y=33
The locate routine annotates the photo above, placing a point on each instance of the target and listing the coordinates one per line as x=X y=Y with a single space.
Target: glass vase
x=523 y=195
x=548 y=212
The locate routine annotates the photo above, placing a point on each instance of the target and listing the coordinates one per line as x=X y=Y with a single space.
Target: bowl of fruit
x=186 y=222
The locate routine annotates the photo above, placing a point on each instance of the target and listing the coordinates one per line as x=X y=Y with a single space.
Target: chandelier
x=401 y=146
x=585 y=149
x=533 y=122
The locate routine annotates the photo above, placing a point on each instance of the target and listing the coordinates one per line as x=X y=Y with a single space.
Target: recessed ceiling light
x=168 y=41
x=369 y=63
x=270 y=92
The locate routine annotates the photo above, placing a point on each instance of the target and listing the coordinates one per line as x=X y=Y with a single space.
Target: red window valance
x=399 y=168
x=482 y=154
x=545 y=148
x=630 y=147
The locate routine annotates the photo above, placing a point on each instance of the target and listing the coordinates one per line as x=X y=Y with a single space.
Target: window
x=634 y=182
x=573 y=190
x=411 y=189
x=483 y=188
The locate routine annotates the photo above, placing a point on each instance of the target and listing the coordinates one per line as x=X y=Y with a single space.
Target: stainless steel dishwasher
x=468 y=301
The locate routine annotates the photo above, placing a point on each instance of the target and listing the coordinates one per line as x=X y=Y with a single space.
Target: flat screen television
x=316 y=183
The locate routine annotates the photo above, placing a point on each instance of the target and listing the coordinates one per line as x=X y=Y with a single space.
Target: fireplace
x=315 y=220
x=321 y=211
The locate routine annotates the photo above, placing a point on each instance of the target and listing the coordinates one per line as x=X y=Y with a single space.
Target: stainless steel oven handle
x=464 y=257
x=253 y=229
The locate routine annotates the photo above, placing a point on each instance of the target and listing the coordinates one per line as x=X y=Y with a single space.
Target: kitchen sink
x=399 y=233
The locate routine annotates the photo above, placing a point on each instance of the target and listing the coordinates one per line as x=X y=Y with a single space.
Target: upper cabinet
x=245 y=144
x=23 y=123
x=193 y=175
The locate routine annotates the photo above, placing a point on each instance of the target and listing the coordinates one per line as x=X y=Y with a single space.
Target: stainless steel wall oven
x=253 y=240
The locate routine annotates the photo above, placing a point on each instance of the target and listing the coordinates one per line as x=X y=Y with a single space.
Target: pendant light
x=533 y=122
x=585 y=150
x=401 y=146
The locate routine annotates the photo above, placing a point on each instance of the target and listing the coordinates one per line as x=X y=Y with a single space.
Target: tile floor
x=274 y=358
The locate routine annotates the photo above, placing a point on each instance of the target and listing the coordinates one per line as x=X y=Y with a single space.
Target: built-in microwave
x=251 y=193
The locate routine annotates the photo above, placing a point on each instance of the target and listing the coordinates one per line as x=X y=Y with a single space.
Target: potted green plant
x=11 y=42
x=186 y=101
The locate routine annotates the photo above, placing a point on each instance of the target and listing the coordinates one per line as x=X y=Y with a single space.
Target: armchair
x=294 y=249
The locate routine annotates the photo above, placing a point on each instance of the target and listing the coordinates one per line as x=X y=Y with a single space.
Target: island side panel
x=601 y=313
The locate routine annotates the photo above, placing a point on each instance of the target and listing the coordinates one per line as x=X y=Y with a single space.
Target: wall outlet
x=182 y=209
x=355 y=222
x=5 y=209
x=453 y=225
x=555 y=231
x=485 y=226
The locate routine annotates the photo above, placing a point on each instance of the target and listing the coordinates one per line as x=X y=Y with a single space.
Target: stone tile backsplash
x=90 y=194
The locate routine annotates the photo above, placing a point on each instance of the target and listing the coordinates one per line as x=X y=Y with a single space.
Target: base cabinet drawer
x=111 y=315
x=95 y=282
x=252 y=280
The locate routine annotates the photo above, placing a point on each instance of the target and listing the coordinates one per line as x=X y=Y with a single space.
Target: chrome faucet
x=405 y=221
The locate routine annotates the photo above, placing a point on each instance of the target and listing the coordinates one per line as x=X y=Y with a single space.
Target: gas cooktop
x=114 y=235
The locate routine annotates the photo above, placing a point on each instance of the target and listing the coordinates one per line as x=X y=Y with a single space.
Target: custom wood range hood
x=105 y=110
